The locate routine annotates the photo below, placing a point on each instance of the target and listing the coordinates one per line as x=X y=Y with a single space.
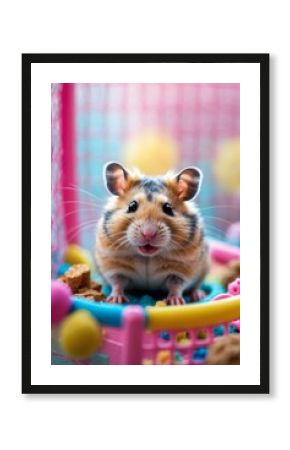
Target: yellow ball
x=227 y=165
x=75 y=254
x=80 y=335
x=153 y=153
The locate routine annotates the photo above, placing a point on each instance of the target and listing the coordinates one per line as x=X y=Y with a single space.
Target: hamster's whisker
x=83 y=191
x=219 y=206
x=114 y=236
x=86 y=228
x=218 y=218
x=214 y=232
x=81 y=202
x=81 y=225
x=206 y=225
x=122 y=236
x=182 y=239
x=75 y=211
x=120 y=243
x=214 y=235
x=120 y=233
x=180 y=244
x=176 y=246
x=84 y=222
x=81 y=229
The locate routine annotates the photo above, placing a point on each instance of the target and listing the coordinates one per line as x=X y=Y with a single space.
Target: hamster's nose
x=148 y=231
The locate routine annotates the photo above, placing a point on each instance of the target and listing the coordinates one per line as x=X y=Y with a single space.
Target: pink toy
x=222 y=252
x=234 y=287
x=60 y=301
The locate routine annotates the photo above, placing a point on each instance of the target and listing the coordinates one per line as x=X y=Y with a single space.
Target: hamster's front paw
x=175 y=300
x=117 y=298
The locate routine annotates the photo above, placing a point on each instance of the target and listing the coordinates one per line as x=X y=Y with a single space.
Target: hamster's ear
x=115 y=177
x=188 y=183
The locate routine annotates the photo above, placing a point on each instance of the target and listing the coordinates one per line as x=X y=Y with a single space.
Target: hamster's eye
x=167 y=209
x=133 y=206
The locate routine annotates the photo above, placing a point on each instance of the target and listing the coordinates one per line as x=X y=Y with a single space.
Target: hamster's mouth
x=148 y=249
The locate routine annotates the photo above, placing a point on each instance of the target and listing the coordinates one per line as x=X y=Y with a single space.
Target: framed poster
x=145 y=203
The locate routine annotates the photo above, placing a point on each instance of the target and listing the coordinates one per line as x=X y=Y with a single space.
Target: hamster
x=150 y=236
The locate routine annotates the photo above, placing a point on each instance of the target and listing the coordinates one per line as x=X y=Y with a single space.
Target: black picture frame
x=263 y=61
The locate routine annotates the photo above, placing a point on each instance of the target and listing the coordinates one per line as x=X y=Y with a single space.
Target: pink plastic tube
x=222 y=252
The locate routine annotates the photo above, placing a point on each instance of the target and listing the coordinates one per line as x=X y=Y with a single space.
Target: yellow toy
x=205 y=315
x=75 y=254
x=227 y=166
x=151 y=152
x=80 y=335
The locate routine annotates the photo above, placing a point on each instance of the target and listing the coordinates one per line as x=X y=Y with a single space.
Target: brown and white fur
x=150 y=236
